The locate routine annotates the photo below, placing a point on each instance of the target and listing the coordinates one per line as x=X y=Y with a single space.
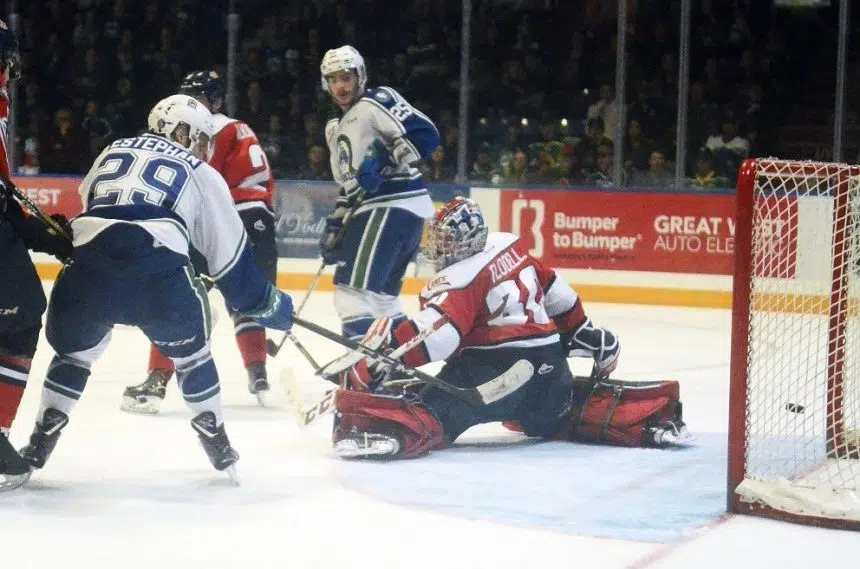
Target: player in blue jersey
x=375 y=146
x=146 y=200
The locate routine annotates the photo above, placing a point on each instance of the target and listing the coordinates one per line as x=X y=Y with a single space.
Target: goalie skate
x=14 y=470
x=671 y=433
x=146 y=398
x=363 y=445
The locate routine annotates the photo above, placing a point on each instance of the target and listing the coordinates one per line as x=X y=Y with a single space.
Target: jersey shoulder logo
x=382 y=96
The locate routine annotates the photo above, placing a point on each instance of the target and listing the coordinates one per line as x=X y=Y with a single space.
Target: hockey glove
x=353 y=370
x=276 y=310
x=333 y=232
x=598 y=343
x=369 y=171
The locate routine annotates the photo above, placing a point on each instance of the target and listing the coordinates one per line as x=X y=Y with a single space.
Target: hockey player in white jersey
x=375 y=145
x=146 y=199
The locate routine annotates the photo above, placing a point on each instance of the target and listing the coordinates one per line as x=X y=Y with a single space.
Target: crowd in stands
x=543 y=104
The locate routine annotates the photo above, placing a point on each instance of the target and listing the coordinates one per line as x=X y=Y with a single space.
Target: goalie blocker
x=511 y=324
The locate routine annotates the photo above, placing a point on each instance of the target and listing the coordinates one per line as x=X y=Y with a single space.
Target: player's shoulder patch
x=384 y=96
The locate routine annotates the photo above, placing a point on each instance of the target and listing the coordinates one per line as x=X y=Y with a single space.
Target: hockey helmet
x=181 y=116
x=343 y=58
x=10 y=58
x=207 y=84
x=457 y=232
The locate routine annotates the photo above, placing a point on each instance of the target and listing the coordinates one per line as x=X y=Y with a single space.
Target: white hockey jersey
x=411 y=136
x=164 y=189
x=152 y=183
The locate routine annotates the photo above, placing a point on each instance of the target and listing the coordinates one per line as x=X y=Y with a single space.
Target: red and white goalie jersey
x=500 y=297
x=4 y=124
x=239 y=158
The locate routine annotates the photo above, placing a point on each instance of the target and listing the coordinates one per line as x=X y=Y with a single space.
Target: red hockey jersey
x=4 y=125
x=239 y=158
x=500 y=297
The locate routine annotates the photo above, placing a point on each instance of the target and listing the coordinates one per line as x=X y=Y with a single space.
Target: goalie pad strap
x=617 y=412
x=418 y=430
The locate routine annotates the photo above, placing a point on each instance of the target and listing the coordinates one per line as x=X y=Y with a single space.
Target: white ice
x=134 y=491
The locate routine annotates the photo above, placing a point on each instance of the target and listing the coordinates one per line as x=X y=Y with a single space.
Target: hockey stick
x=271 y=347
x=484 y=394
x=305 y=416
x=35 y=210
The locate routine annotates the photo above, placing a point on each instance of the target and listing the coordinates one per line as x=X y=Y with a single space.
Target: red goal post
x=794 y=419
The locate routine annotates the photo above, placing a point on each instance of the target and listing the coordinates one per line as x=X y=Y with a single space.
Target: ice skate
x=14 y=470
x=147 y=397
x=44 y=437
x=258 y=382
x=366 y=445
x=668 y=434
x=216 y=444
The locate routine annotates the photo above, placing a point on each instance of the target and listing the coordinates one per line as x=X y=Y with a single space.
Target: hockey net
x=794 y=428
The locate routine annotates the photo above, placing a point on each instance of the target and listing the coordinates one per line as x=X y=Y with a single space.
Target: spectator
x=277 y=147
x=605 y=109
x=439 y=170
x=728 y=149
x=586 y=149
x=601 y=176
x=705 y=175
x=316 y=167
x=97 y=129
x=637 y=147
x=64 y=150
x=656 y=176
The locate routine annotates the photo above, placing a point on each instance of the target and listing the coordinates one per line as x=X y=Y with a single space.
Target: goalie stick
x=484 y=394
x=34 y=209
x=305 y=416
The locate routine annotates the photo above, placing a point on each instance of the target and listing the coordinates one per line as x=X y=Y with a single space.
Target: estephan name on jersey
x=158 y=145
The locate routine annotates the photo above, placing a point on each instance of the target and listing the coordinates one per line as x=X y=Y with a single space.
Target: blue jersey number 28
x=120 y=180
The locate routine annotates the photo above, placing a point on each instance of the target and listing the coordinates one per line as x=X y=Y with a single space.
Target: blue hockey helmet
x=206 y=84
x=10 y=58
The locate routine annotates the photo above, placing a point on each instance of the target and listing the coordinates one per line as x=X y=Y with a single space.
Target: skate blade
x=262 y=398
x=9 y=482
x=148 y=406
x=233 y=474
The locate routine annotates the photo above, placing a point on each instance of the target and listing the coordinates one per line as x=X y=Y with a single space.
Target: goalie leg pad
x=621 y=413
x=363 y=418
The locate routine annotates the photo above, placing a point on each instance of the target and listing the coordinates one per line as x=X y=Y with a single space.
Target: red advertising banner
x=53 y=194
x=636 y=231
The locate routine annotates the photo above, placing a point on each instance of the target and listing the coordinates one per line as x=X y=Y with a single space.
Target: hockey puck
x=795 y=408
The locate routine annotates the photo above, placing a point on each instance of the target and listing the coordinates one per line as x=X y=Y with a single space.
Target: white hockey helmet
x=187 y=114
x=457 y=232
x=343 y=58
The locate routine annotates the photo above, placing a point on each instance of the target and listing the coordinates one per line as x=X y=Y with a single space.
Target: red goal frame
x=741 y=311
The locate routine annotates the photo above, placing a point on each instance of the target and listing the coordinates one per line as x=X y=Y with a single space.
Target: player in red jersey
x=238 y=156
x=510 y=323
x=22 y=300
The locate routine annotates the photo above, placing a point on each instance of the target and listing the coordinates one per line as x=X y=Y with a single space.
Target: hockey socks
x=13 y=378
x=159 y=361
x=251 y=339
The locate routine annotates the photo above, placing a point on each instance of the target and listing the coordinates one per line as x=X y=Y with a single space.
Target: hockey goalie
x=491 y=307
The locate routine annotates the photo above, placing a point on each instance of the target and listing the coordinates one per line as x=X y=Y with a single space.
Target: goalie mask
x=185 y=121
x=457 y=232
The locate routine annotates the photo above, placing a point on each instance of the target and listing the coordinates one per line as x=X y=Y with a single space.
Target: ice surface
x=132 y=491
